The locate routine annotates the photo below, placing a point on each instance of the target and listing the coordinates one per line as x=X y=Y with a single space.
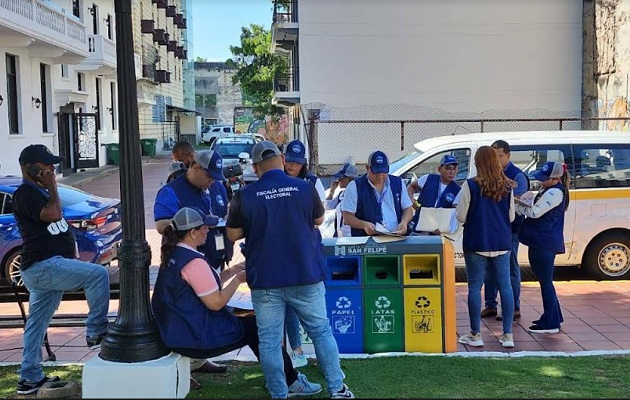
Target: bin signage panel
x=345 y=313
x=383 y=320
x=423 y=320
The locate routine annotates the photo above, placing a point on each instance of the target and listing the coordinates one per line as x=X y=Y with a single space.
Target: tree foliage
x=256 y=67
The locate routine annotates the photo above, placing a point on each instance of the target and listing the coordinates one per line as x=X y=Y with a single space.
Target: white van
x=597 y=223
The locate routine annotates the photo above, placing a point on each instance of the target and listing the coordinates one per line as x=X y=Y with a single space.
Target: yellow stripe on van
x=595 y=194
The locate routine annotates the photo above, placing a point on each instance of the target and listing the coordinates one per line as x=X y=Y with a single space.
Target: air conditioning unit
x=162 y=76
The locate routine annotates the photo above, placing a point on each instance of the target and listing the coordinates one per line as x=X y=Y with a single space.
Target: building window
x=12 y=94
x=43 y=79
x=80 y=81
x=64 y=71
x=114 y=108
x=110 y=27
x=98 y=104
x=76 y=8
x=94 y=12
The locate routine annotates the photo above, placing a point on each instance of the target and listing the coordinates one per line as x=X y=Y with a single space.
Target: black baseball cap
x=38 y=153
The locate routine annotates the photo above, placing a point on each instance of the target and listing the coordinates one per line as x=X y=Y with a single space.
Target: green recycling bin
x=148 y=147
x=113 y=153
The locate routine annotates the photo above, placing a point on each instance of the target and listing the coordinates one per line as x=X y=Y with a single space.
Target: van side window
x=531 y=158
x=430 y=165
x=6 y=204
x=602 y=166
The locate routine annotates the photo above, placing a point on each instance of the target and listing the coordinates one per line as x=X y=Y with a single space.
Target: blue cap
x=448 y=160
x=378 y=162
x=212 y=162
x=295 y=152
x=550 y=169
x=348 y=170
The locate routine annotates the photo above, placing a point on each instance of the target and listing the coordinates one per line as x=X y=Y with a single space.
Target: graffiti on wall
x=275 y=130
x=616 y=108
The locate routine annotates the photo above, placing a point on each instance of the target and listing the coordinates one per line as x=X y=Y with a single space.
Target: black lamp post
x=133 y=337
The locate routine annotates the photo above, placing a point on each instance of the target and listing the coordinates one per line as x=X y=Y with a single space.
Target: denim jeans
x=292 y=323
x=476 y=266
x=309 y=304
x=46 y=281
x=542 y=262
x=489 y=283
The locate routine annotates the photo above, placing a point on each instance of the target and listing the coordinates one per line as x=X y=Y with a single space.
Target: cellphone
x=34 y=171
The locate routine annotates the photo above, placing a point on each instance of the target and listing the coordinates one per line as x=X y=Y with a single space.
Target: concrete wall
x=606 y=62
x=214 y=78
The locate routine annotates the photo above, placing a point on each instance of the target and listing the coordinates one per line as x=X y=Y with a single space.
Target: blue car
x=95 y=222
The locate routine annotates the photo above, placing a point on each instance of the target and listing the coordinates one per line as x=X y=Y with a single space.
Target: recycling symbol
x=343 y=302
x=382 y=302
x=422 y=302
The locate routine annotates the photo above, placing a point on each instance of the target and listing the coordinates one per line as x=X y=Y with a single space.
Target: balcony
x=171 y=11
x=285 y=27
x=160 y=36
x=44 y=29
x=172 y=46
x=102 y=58
x=286 y=86
x=162 y=76
x=161 y=3
x=178 y=20
x=147 y=26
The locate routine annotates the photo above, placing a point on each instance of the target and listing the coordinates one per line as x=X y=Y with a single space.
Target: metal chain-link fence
x=340 y=134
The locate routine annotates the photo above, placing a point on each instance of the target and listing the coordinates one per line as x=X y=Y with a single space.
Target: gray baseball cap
x=212 y=162
x=189 y=218
x=175 y=166
x=264 y=150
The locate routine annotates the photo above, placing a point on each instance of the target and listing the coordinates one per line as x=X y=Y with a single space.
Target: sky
x=217 y=24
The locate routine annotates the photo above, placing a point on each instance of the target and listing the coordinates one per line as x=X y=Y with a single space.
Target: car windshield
x=70 y=196
x=398 y=164
x=233 y=149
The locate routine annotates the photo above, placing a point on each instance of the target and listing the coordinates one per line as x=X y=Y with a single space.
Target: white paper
x=431 y=219
x=380 y=228
x=242 y=300
x=352 y=240
x=526 y=199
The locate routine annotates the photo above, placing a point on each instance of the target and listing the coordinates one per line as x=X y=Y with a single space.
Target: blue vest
x=487 y=226
x=368 y=209
x=182 y=318
x=511 y=171
x=215 y=199
x=430 y=191
x=546 y=232
x=311 y=178
x=282 y=246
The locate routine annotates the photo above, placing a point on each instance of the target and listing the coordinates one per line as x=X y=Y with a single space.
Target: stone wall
x=216 y=94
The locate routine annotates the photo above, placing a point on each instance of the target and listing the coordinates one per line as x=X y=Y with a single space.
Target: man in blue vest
x=199 y=187
x=277 y=215
x=436 y=190
x=490 y=288
x=376 y=198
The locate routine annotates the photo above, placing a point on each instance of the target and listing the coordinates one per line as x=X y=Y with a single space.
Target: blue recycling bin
x=344 y=302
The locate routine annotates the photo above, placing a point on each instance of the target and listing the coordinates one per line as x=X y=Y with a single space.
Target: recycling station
x=391 y=297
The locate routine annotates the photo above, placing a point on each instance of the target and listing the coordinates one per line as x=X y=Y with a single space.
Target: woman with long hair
x=486 y=208
x=189 y=300
x=542 y=233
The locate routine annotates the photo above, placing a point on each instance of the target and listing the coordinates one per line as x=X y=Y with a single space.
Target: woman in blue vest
x=542 y=233
x=189 y=300
x=436 y=190
x=295 y=165
x=486 y=208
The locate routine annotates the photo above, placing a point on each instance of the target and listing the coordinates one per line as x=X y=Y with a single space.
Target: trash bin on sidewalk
x=149 y=147
x=112 y=151
x=382 y=306
x=344 y=301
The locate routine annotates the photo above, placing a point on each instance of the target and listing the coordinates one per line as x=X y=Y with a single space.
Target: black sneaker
x=539 y=329
x=94 y=342
x=344 y=393
x=26 y=387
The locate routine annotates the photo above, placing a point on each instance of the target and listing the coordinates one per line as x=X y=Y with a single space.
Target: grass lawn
x=422 y=377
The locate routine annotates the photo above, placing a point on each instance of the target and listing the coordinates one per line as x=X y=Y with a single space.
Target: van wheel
x=608 y=257
x=12 y=269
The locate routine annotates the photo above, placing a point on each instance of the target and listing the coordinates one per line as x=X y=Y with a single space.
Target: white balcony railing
x=47 y=23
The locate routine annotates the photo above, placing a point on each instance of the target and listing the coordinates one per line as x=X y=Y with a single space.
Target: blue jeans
x=542 y=262
x=489 y=283
x=292 y=323
x=46 y=281
x=309 y=304
x=476 y=266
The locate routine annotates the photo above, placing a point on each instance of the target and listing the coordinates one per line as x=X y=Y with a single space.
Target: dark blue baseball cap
x=38 y=153
x=378 y=162
x=295 y=152
x=448 y=160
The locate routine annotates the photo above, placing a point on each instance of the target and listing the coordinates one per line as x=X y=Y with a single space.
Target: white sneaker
x=506 y=340
x=298 y=360
x=471 y=339
x=344 y=393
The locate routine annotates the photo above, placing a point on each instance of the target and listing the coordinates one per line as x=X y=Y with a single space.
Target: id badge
x=218 y=242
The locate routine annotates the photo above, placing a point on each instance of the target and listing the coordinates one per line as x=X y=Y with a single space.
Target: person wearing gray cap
x=190 y=297
x=200 y=186
x=285 y=266
x=344 y=176
x=49 y=264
